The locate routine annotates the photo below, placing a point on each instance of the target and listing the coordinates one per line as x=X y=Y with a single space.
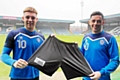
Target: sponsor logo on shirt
x=20 y=37
x=86 y=45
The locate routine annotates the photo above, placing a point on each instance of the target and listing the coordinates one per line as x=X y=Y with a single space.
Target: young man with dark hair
x=100 y=49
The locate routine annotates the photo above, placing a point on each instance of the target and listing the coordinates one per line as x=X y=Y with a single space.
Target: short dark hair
x=97 y=13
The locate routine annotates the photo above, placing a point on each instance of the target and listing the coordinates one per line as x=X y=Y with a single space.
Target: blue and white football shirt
x=24 y=44
x=101 y=51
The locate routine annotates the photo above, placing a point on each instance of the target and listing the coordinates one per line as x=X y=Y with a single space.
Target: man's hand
x=95 y=75
x=52 y=35
x=20 y=63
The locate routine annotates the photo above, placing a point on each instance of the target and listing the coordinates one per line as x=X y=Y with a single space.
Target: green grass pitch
x=4 y=69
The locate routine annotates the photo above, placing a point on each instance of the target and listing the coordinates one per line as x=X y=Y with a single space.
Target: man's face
x=96 y=23
x=30 y=19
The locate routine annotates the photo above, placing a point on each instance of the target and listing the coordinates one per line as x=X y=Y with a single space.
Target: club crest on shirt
x=38 y=39
x=102 y=42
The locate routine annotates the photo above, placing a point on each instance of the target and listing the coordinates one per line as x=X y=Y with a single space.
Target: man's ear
x=22 y=18
x=36 y=19
x=89 y=23
x=103 y=21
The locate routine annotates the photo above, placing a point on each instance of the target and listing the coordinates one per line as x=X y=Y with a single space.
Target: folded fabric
x=54 y=53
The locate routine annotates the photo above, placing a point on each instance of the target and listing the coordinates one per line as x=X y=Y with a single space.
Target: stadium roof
x=115 y=18
x=56 y=20
x=12 y=18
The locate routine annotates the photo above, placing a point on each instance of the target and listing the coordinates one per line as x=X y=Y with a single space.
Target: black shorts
x=37 y=78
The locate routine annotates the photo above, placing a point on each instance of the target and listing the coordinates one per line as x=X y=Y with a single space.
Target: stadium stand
x=111 y=22
x=61 y=30
x=45 y=30
x=45 y=26
x=115 y=31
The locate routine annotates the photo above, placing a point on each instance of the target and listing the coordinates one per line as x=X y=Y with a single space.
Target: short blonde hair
x=30 y=9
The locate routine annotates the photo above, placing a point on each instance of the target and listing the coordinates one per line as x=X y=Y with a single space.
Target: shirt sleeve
x=114 y=57
x=5 y=57
x=81 y=48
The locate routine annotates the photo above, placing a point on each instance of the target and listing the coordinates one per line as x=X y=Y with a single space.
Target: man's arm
x=114 y=57
x=5 y=57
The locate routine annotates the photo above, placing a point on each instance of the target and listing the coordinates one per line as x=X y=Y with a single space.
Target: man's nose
x=95 y=22
x=30 y=19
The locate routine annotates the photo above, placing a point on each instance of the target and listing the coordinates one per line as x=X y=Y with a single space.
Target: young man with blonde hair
x=23 y=42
